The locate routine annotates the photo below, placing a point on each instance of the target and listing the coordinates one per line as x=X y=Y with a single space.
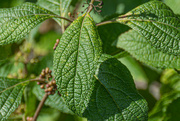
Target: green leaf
x=17 y=22
x=158 y=24
x=170 y=80
x=109 y=33
x=141 y=49
x=172 y=113
x=59 y=7
x=159 y=113
x=115 y=96
x=174 y=5
x=75 y=62
x=11 y=91
x=135 y=68
x=54 y=101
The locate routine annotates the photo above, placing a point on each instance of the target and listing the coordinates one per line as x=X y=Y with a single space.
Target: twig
x=106 y=22
x=90 y=6
x=40 y=106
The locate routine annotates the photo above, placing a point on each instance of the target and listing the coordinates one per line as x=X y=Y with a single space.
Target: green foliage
x=115 y=88
x=54 y=101
x=58 y=7
x=7 y=51
x=11 y=91
x=141 y=49
x=163 y=110
x=91 y=83
x=158 y=24
x=17 y=22
x=75 y=61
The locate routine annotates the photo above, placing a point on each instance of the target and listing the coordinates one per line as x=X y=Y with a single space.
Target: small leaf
x=158 y=24
x=17 y=22
x=75 y=62
x=54 y=101
x=115 y=96
x=142 y=50
x=11 y=91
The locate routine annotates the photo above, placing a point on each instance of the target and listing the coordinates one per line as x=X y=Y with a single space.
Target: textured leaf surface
x=59 y=7
x=10 y=96
x=115 y=96
x=157 y=23
x=141 y=49
x=75 y=62
x=54 y=101
x=17 y=22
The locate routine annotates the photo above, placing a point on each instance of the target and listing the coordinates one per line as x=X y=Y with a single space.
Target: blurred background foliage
x=26 y=59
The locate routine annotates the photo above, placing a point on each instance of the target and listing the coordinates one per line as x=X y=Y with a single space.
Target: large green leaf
x=141 y=49
x=75 y=62
x=11 y=91
x=59 y=7
x=158 y=24
x=115 y=96
x=54 y=101
x=17 y=22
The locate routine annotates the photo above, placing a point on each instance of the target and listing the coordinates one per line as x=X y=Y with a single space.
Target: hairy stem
x=40 y=106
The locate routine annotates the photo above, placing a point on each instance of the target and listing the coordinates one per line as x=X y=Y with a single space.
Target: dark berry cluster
x=48 y=86
x=45 y=73
x=51 y=87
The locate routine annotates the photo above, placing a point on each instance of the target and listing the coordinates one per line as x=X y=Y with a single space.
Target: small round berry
x=47 y=70
x=47 y=85
x=54 y=82
x=42 y=86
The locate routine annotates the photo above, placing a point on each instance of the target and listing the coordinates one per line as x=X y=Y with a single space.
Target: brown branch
x=40 y=106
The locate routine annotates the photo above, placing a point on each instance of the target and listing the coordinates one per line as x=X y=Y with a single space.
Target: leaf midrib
x=141 y=20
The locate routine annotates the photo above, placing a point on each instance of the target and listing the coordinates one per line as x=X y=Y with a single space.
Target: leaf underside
x=17 y=22
x=142 y=50
x=115 y=96
x=75 y=62
x=158 y=24
x=10 y=96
